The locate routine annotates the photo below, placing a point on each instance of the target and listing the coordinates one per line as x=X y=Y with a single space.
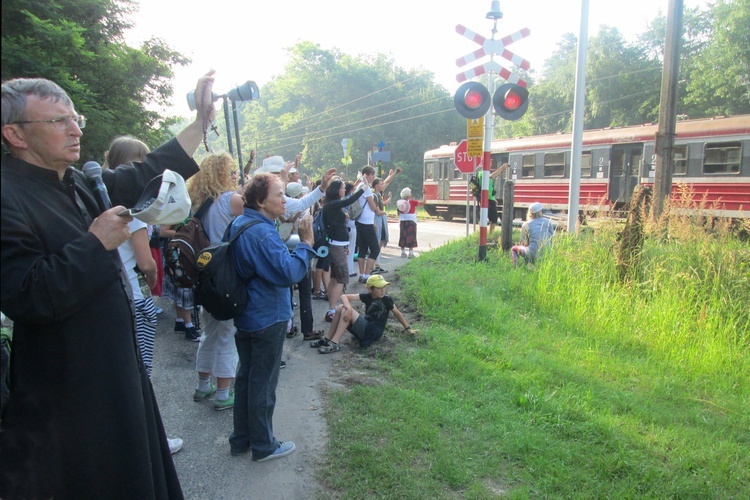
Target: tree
x=324 y=96
x=79 y=45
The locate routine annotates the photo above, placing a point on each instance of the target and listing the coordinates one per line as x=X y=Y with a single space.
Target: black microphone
x=93 y=173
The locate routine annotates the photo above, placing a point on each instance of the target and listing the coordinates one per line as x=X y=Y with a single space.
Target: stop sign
x=465 y=163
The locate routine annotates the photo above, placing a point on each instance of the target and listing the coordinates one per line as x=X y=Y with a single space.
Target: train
x=711 y=164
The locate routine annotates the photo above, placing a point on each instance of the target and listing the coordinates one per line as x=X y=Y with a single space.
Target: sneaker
x=159 y=310
x=312 y=335
x=352 y=275
x=283 y=450
x=403 y=254
x=199 y=396
x=179 y=327
x=331 y=347
x=411 y=255
x=329 y=316
x=192 y=334
x=175 y=445
x=320 y=342
x=226 y=404
x=362 y=279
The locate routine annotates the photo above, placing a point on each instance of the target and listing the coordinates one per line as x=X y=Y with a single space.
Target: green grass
x=558 y=381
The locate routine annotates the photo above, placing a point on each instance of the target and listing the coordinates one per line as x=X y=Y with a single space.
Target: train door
x=444 y=174
x=624 y=168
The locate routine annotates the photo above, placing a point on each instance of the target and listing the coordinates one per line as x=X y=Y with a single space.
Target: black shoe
x=292 y=333
x=282 y=365
x=192 y=334
x=320 y=343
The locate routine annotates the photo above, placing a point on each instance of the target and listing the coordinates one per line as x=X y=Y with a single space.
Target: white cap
x=535 y=207
x=294 y=189
x=165 y=200
x=272 y=164
x=292 y=170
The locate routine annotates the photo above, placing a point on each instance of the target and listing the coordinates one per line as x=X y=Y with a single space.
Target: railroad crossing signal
x=472 y=99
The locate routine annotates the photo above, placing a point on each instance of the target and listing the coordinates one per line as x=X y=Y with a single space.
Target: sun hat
x=272 y=164
x=535 y=207
x=294 y=189
x=165 y=200
x=376 y=281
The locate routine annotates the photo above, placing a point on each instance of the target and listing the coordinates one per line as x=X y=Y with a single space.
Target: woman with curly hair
x=217 y=353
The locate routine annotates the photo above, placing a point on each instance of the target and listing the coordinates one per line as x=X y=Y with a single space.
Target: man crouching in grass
x=366 y=328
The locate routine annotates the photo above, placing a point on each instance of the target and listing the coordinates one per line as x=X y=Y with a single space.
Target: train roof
x=706 y=127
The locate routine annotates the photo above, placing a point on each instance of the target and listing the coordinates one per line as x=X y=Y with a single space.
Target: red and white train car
x=711 y=157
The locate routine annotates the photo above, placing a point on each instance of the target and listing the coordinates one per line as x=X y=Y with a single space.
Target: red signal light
x=512 y=101
x=473 y=99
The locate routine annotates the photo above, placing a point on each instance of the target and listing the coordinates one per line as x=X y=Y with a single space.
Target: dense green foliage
x=558 y=381
x=79 y=44
x=325 y=95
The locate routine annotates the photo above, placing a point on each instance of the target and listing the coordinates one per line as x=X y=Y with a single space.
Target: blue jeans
x=255 y=389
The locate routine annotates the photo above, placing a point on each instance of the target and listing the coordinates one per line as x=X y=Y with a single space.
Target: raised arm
x=192 y=135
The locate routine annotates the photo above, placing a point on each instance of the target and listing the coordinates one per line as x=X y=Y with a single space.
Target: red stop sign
x=465 y=163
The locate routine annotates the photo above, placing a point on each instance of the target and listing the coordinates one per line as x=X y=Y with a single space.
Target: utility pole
x=665 y=135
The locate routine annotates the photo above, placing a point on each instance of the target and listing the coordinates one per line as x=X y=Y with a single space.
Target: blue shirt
x=260 y=251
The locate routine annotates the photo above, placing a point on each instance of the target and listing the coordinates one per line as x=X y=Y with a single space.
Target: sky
x=247 y=40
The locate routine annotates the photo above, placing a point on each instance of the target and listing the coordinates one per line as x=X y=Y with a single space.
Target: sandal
x=331 y=347
x=320 y=296
x=313 y=335
x=320 y=343
x=292 y=333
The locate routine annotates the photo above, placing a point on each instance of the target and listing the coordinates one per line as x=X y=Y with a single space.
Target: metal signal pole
x=667 y=117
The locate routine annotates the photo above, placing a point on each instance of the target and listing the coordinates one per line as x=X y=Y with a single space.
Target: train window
x=722 y=158
x=554 y=164
x=429 y=171
x=586 y=165
x=618 y=162
x=680 y=159
x=528 y=162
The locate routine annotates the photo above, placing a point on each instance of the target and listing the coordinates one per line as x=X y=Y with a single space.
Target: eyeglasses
x=61 y=123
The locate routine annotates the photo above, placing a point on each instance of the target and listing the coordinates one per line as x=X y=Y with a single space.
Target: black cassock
x=82 y=420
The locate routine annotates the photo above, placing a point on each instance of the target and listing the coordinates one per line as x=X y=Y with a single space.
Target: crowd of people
x=78 y=280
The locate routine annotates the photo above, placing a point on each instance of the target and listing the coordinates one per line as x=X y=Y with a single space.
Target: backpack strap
x=239 y=231
x=203 y=210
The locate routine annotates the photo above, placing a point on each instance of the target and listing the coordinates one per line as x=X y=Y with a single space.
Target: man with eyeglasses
x=82 y=420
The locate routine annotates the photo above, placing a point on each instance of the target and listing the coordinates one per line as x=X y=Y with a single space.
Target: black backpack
x=218 y=288
x=475 y=186
x=320 y=233
x=181 y=250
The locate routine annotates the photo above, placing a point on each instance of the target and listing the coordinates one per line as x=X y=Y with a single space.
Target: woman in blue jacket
x=260 y=253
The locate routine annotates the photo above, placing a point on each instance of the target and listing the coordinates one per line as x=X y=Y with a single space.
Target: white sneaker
x=175 y=445
x=403 y=254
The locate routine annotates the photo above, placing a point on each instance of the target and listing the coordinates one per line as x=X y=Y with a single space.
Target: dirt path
x=205 y=467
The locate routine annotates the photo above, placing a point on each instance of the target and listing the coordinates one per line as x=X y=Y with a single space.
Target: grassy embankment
x=558 y=381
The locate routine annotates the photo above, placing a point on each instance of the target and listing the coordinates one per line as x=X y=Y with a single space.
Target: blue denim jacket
x=260 y=250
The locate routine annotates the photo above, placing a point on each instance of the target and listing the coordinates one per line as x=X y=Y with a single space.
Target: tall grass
x=558 y=380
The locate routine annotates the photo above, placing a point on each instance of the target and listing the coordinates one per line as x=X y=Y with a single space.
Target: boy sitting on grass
x=366 y=328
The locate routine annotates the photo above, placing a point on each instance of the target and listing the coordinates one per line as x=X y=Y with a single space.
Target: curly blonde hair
x=214 y=178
